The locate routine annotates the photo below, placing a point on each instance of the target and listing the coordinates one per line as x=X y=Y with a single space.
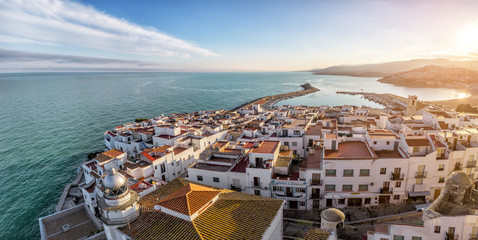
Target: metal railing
x=451 y=236
x=386 y=190
x=421 y=175
x=316 y=182
x=398 y=176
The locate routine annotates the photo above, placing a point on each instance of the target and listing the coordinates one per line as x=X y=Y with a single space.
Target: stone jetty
x=269 y=101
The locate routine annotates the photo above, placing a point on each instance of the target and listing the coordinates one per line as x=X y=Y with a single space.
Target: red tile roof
x=189 y=199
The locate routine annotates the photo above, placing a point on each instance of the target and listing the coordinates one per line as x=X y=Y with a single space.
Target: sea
x=49 y=122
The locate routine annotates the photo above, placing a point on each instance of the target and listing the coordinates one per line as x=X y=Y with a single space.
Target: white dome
x=332 y=215
x=114 y=180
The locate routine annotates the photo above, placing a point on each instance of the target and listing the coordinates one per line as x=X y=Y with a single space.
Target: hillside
x=390 y=68
x=436 y=76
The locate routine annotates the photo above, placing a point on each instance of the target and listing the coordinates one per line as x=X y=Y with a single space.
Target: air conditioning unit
x=65 y=227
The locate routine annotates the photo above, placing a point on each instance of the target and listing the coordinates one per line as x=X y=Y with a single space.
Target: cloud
x=22 y=60
x=74 y=24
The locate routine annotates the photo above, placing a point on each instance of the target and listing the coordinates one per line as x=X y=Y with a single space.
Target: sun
x=467 y=38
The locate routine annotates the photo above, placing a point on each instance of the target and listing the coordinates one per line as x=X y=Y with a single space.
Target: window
x=416 y=238
x=199 y=178
x=364 y=172
x=383 y=171
x=302 y=203
x=363 y=187
x=300 y=190
x=396 y=197
x=277 y=188
x=398 y=237
x=329 y=187
x=330 y=172
x=367 y=201
x=348 y=172
x=286 y=143
x=341 y=201
x=437 y=229
x=296 y=133
x=441 y=180
x=441 y=167
x=215 y=179
x=398 y=184
x=294 y=144
x=347 y=188
x=163 y=167
x=388 y=142
x=374 y=142
x=257 y=192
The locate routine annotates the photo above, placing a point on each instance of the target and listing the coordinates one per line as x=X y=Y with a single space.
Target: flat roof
x=388 y=154
x=314 y=130
x=267 y=147
x=350 y=150
x=212 y=167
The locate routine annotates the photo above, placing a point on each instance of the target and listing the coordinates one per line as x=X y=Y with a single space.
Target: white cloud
x=73 y=24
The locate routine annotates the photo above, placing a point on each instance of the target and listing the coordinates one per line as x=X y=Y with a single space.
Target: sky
x=227 y=35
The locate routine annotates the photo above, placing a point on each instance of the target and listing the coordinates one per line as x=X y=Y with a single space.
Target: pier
x=269 y=101
x=387 y=100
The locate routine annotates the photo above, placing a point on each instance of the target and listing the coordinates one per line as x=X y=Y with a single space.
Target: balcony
x=473 y=236
x=315 y=196
x=235 y=188
x=471 y=164
x=256 y=184
x=316 y=182
x=451 y=236
x=386 y=190
x=398 y=176
x=421 y=175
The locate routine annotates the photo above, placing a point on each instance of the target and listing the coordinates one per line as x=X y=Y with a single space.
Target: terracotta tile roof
x=233 y=216
x=237 y=216
x=113 y=153
x=317 y=234
x=443 y=125
x=189 y=199
x=159 y=225
x=267 y=147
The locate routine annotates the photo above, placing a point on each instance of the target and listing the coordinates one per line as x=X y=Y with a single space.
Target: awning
x=416 y=194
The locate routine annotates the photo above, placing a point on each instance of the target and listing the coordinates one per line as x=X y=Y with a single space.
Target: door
x=329 y=202
x=288 y=191
x=437 y=193
x=395 y=146
x=383 y=199
x=293 y=204
x=334 y=142
x=256 y=181
x=315 y=193
x=311 y=142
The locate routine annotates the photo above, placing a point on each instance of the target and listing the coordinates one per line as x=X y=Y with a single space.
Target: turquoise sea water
x=49 y=122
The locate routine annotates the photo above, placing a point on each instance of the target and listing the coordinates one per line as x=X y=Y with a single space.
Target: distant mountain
x=436 y=76
x=390 y=68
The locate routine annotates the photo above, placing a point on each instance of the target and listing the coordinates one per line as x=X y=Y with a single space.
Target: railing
x=471 y=164
x=451 y=236
x=256 y=185
x=386 y=190
x=315 y=196
x=398 y=176
x=473 y=236
x=234 y=188
x=316 y=182
x=421 y=175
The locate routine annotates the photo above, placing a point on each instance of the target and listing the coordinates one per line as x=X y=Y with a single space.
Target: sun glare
x=462 y=95
x=467 y=38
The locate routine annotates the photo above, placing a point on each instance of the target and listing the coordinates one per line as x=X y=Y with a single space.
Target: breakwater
x=269 y=101
x=387 y=100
